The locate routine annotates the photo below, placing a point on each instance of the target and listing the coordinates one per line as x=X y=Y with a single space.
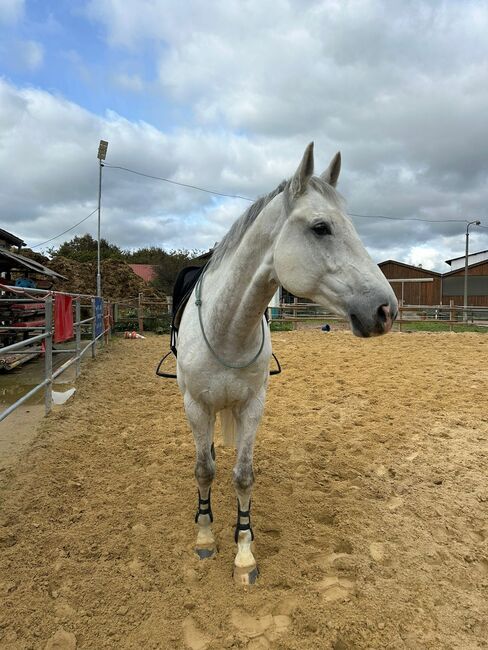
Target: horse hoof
x=245 y=576
x=206 y=552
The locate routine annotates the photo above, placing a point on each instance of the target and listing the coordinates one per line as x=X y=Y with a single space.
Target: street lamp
x=102 y=153
x=465 y=315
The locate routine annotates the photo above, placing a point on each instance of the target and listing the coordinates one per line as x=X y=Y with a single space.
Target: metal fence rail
x=81 y=301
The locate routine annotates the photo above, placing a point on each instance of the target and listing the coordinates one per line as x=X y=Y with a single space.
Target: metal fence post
x=94 y=329
x=48 y=354
x=78 y=335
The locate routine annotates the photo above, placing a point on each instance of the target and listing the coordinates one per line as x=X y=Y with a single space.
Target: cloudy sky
x=225 y=95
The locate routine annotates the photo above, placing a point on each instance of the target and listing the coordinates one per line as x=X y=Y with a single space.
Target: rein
x=198 y=303
x=174 y=331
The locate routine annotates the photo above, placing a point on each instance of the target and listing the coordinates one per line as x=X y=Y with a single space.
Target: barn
x=440 y=288
x=413 y=284
x=453 y=285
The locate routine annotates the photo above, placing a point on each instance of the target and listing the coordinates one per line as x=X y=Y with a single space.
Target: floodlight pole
x=102 y=152
x=465 y=311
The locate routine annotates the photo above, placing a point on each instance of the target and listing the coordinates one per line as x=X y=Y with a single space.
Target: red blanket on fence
x=63 y=318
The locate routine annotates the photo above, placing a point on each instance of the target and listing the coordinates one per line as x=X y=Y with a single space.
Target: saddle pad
x=182 y=290
x=184 y=285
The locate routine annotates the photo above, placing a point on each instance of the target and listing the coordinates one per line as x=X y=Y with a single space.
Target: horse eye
x=322 y=229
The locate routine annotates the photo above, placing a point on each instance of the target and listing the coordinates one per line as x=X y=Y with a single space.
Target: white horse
x=298 y=236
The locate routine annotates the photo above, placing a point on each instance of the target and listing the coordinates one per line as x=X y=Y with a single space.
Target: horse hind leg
x=245 y=566
x=202 y=425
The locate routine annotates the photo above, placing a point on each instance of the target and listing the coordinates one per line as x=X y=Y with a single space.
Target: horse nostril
x=384 y=313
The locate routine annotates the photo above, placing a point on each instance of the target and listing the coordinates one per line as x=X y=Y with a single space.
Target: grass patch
x=439 y=327
x=277 y=326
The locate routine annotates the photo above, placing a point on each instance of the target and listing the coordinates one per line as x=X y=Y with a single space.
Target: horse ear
x=303 y=174
x=332 y=172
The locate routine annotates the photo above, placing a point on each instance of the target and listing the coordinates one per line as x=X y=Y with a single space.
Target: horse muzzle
x=376 y=323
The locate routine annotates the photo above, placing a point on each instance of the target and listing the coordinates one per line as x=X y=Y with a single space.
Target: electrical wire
x=382 y=216
x=244 y=198
x=65 y=231
x=167 y=180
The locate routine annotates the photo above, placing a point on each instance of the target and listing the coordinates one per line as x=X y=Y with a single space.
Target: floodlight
x=102 y=149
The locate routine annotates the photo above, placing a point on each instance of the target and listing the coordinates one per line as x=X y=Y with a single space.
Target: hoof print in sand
x=249 y=625
x=377 y=551
x=334 y=588
x=259 y=643
x=194 y=639
x=263 y=629
x=61 y=640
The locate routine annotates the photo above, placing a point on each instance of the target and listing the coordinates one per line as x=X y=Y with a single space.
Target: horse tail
x=228 y=424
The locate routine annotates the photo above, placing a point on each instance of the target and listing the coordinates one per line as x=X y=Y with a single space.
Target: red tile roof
x=145 y=271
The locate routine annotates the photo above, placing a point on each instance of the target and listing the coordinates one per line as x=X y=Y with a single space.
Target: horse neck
x=242 y=285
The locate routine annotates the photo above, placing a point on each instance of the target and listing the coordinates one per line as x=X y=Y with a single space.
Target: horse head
x=318 y=254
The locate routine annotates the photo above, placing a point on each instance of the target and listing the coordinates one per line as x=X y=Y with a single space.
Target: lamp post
x=102 y=153
x=465 y=311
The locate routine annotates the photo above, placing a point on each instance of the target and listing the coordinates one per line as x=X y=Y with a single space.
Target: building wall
x=472 y=259
x=477 y=286
x=414 y=293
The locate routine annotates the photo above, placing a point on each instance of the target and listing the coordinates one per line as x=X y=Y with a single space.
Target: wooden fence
x=448 y=314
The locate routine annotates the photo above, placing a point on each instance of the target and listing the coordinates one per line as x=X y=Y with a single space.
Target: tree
x=170 y=265
x=152 y=255
x=84 y=249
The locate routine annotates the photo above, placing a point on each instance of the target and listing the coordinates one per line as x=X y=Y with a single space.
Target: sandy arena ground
x=370 y=507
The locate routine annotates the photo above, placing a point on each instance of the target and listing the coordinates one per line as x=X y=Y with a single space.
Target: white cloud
x=50 y=180
x=401 y=90
x=11 y=11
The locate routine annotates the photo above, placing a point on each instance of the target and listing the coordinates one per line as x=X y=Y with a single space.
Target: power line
x=246 y=198
x=168 y=180
x=382 y=216
x=65 y=231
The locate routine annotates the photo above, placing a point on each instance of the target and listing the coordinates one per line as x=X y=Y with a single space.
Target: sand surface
x=370 y=507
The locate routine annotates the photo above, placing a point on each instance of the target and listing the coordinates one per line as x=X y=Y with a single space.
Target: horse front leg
x=202 y=425
x=245 y=566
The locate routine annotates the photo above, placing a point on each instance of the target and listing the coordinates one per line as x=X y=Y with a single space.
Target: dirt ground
x=369 y=509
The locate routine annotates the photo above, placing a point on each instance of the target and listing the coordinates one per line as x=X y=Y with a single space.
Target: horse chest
x=221 y=391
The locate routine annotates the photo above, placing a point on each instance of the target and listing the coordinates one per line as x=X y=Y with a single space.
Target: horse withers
x=297 y=236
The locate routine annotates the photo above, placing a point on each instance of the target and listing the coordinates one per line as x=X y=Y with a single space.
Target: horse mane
x=242 y=224
x=231 y=240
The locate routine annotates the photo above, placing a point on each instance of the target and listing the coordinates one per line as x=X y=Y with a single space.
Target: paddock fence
x=142 y=314
x=28 y=339
x=449 y=315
